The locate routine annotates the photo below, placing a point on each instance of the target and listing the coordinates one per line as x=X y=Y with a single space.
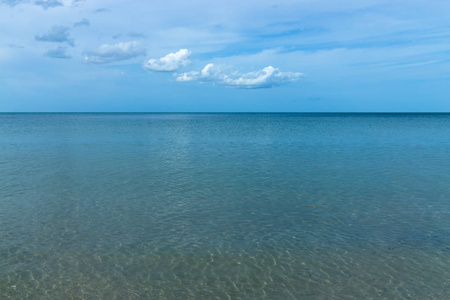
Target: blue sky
x=198 y=55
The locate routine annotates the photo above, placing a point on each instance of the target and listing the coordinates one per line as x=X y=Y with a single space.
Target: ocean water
x=224 y=206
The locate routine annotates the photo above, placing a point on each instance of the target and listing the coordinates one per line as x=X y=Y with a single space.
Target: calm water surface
x=225 y=206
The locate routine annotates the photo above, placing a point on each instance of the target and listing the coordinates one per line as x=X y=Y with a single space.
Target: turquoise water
x=225 y=206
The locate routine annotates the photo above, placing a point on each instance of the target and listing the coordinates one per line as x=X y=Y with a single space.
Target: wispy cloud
x=135 y=35
x=170 y=62
x=84 y=22
x=45 y=4
x=57 y=34
x=265 y=78
x=59 y=52
x=13 y=2
x=111 y=53
x=101 y=10
x=15 y=46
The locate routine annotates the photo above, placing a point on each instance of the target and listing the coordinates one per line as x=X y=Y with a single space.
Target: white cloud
x=265 y=78
x=111 y=53
x=170 y=62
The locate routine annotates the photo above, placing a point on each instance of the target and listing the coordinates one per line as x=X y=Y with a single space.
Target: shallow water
x=240 y=206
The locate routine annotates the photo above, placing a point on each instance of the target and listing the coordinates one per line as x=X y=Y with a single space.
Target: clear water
x=225 y=206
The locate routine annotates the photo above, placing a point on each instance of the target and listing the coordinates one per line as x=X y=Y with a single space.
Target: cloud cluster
x=265 y=78
x=170 y=62
x=111 y=53
x=57 y=34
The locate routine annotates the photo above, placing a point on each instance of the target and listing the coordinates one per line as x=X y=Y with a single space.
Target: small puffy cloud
x=111 y=53
x=265 y=78
x=57 y=34
x=84 y=22
x=45 y=4
x=59 y=52
x=170 y=62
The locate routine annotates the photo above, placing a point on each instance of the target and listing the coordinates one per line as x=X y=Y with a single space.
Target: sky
x=224 y=56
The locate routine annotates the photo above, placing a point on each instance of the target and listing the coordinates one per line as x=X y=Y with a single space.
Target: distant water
x=225 y=206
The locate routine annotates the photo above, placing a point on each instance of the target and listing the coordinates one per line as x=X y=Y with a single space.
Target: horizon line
x=222 y=112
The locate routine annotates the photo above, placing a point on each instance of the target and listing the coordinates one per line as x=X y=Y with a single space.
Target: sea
x=225 y=206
